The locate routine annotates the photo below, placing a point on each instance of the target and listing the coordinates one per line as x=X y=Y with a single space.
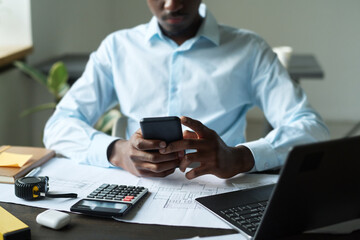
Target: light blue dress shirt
x=214 y=77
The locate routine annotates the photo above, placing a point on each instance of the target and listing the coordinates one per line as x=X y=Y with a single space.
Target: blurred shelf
x=8 y=54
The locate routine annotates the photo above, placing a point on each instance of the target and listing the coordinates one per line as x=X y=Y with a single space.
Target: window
x=15 y=30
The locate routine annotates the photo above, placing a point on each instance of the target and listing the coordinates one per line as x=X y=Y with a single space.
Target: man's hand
x=133 y=155
x=214 y=156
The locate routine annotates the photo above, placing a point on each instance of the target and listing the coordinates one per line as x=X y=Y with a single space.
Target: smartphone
x=167 y=129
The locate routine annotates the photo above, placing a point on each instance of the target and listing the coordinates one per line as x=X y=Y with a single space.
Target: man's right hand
x=134 y=156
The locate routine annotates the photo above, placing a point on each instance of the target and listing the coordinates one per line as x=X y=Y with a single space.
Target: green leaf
x=38 y=108
x=58 y=76
x=32 y=72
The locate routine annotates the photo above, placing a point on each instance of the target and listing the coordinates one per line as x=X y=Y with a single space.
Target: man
x=183 y=63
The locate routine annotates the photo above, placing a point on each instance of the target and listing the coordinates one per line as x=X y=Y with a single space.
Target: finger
x=153 y=157
x=196 y=157
x=190 y=134
x=145 y=173
x=181 y=145
x=196 y=172
x=184 y=163
x=200 y=129
x=158 y=167
x=138 y=142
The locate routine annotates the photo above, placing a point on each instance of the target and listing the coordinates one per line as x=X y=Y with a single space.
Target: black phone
x=167 y=129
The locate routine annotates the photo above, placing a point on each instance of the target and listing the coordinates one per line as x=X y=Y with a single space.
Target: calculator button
x=118 y=193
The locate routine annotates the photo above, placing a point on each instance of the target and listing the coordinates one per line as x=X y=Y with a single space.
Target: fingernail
x=162 y=150
x=162 y=144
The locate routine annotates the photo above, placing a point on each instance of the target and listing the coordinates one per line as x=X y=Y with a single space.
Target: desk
x=304 y=66
x=84 y=227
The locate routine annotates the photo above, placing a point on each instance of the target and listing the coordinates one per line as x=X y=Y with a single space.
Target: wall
x=326 y=28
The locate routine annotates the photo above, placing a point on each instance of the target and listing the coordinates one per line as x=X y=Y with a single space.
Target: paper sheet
x=170 y=202
x=255 y=180
x=236 y=236
x=13 y=159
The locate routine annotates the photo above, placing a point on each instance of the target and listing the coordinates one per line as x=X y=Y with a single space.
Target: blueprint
x=171 y=200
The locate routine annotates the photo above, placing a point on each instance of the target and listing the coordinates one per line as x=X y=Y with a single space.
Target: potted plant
x=57 y=84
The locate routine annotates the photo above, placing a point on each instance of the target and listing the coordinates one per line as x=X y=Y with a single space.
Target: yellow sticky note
x=13 y=159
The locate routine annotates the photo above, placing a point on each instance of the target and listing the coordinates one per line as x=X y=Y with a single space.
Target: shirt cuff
x=98 y=150
x=264 y=155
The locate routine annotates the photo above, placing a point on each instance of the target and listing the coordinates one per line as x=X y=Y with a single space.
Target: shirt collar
x=209 y=28
x=153 y=30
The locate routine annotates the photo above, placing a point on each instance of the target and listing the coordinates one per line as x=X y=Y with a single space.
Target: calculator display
x=99 y=204
x=110 y=200
x=100 y=208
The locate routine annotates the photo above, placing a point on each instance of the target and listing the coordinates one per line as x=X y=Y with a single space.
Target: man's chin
x=175 y=31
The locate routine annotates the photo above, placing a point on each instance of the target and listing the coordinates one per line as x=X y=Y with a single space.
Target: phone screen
x=167 y=129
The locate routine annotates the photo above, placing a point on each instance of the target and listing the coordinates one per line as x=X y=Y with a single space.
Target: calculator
x=110 y=200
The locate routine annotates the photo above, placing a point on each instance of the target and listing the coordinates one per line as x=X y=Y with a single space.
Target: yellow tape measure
x=33 y=188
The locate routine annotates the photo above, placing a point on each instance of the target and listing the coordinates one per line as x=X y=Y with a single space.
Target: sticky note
x=13 y=159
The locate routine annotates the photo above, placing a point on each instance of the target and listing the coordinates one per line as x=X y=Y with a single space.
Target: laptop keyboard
x=246 y=216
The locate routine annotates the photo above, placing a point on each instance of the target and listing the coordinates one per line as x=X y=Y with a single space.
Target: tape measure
x=34 y=188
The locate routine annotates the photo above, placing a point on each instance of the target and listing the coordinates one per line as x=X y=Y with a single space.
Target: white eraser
x=53 y=219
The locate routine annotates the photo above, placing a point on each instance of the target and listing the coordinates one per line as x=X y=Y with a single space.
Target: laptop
x=319 y=185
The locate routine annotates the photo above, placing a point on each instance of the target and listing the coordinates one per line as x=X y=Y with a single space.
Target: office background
x=326 y=28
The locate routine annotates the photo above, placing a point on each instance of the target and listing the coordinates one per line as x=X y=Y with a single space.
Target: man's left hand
x=214 y=156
